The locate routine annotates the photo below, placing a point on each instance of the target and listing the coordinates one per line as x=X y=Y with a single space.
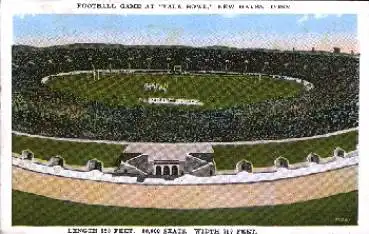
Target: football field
x=214 y=91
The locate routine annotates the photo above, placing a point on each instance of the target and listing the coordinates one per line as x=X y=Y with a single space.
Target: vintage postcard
x=183 y=117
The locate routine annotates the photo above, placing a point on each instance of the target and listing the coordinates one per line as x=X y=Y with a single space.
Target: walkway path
x=284 y=191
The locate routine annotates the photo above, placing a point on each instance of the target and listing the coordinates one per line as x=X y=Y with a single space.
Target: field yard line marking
x=211 y=143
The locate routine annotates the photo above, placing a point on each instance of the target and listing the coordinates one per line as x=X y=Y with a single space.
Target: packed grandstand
x=332 y=104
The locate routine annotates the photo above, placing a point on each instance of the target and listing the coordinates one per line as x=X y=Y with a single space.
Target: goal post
x=177 y=69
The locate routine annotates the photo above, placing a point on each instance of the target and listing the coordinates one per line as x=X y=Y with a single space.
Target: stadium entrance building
x=167 y=160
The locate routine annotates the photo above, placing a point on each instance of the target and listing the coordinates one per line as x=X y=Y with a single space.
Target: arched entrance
x=94 y=164
x=56 y=161
x=281 y=162
x=166 y=170
x=158 y=170
x=244 y=165
x=175 y=170
x=338 y=152
x=314 y=158
x=99 y=166
x=27 y=154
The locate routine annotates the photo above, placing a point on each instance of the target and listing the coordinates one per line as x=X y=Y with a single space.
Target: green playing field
x=214 y=91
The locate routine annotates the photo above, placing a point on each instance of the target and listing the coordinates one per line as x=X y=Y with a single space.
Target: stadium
x=158 y=126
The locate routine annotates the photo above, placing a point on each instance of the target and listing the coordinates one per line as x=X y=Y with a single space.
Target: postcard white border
x=11 y=7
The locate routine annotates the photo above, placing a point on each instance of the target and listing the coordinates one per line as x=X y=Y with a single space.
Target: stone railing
x=94 y=170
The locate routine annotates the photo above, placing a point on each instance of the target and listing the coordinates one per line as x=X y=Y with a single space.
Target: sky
x=243 y=31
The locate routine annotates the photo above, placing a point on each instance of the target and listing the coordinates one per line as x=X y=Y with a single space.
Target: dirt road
x=284 y=191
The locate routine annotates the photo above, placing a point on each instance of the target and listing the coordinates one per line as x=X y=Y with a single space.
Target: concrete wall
x=141 y=162
x=206 y=170
x=128 y=169
x=193 y=163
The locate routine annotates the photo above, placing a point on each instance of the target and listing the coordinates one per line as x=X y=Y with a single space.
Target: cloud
x=23 y=16
x=320 y=16
x=306 y=18
x=302 y=19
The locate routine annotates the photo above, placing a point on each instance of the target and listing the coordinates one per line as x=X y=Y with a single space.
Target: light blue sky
x=268 y=31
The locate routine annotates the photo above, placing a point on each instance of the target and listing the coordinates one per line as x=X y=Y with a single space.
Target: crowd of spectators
x=331 y=105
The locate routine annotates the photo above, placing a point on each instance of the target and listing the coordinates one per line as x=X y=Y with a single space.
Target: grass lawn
x=74 y=153
x=261 y=155
x=34 y=210
x=226 y=157
x=213 y=90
